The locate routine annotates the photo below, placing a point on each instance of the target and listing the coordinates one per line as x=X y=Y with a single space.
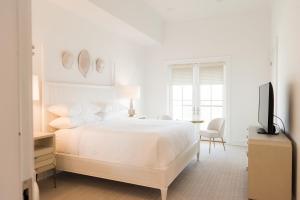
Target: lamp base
x=131 y=112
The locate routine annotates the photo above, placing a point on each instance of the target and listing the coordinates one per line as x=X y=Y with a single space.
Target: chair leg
x=214 y=142
x=223 y=143
x=209 y=144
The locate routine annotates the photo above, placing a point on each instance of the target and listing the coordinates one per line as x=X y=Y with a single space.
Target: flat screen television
x=266 y=109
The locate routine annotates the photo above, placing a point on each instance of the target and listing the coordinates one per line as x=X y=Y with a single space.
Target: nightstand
x=44 y=154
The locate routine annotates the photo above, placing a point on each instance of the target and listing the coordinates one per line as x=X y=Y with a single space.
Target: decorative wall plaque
x=67 y=59
x=84 y=62
x=99 y=65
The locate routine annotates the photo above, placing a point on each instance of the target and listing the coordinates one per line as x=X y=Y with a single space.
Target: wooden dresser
x=44 y=154
x=269 y=166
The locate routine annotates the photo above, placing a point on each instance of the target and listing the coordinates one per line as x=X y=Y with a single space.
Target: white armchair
x=215 y=129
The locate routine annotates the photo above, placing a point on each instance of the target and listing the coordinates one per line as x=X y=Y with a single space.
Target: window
x=211 y=92
x=197 y=91
x=182 y=92
x=211 y=102
x=182 y=100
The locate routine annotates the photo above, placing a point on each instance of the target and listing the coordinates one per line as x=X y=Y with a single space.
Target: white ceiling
x=181 y=10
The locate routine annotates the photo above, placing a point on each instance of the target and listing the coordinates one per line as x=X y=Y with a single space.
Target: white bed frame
x=55 y=93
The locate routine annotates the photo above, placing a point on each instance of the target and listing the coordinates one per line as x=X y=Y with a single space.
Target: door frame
x=25 y=89
x=226 y=61
x=17 y=131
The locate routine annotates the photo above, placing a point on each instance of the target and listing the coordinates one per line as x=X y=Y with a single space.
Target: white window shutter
x=211 y=74
x=182 y=74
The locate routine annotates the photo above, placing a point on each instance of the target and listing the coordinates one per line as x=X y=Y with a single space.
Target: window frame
x=226 y=61
x=182 y=99
x=211 y=100
x=197 y=100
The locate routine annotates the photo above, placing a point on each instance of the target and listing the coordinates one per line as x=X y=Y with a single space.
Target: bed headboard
x=64 y=93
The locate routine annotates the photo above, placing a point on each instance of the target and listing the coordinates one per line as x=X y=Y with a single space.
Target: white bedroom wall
x=286 y=32
x=136 y=13
x=56 y=29
x=244 y=39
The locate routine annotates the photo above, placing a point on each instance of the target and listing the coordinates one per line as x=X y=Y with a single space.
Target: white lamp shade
x=129 y=91
x=35 y=88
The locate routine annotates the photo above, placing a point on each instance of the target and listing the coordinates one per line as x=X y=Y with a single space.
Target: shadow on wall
x=290 y=130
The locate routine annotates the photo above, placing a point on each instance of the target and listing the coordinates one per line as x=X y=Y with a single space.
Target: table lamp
x=132 y=92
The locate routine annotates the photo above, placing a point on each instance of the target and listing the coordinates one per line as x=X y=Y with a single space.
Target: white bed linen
x=143 y=143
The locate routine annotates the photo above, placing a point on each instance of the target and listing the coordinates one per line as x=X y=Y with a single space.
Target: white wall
x=136 y=13
x=56 y=29
x=111 y=20
x=286 y=30
x=244 y=39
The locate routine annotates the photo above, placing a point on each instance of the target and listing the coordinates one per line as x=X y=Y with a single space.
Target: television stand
x=269 y=166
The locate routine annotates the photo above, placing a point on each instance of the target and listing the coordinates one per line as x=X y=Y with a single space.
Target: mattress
x=135 y=142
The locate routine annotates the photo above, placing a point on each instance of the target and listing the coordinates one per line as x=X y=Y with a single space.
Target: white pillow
x=113 y=107
x=64 y=110
x=91 y=118
x=67 y=122
x=90 y=108
x=73 y=122
x=115 y=115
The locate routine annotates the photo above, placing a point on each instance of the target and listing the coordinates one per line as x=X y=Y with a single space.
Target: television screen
x=266 y=108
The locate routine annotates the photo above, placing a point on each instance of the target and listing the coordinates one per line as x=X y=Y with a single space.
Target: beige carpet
x=218 y=176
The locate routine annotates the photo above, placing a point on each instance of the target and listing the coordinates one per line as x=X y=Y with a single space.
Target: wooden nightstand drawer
x=44 y=168
x=44 y=157
x=41 y=150
x=43 y=163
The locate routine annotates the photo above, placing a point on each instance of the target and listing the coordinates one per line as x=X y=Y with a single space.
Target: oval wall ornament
x=99 y=65
x=67 y=59
x=84 y=62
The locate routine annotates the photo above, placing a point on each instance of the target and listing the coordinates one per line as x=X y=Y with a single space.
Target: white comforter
x=143 y=143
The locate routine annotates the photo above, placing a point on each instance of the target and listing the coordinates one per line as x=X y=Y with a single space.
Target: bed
x=144 y=152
